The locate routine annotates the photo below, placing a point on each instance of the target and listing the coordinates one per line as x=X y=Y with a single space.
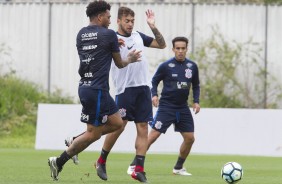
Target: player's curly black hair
x=96 y=7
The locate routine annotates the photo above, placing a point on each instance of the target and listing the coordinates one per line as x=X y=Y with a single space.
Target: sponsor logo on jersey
x=88 y=74
x=89 y=36
x=158 y=125
x=182 y=85
x=122 y=112
x=105 y=119
x=130 y=47
x=189 y=65
x=84 y=117
x=188 y=73
x=85 y=83
x=89 y=47
x=171 y=65
x=87 y=60
x=174 y=75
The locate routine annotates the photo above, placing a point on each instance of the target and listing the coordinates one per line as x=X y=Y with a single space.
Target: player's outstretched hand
x=150 y=17
x=134 y=56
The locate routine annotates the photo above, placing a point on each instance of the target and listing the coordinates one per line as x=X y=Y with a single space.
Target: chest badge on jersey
x=188 y=73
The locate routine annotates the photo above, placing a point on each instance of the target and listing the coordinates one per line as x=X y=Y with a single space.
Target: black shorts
x=135 y=104
x=181 y=118
x=97 y=105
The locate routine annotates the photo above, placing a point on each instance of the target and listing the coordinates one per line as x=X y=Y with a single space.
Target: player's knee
x=193 y=140
x=142 y=132
x=119 y=125
x=115 y=123
x=119 y=129
x=189 y=139
x=91 y=134
x=123 y=125
x=92 y=137
x=142 y=127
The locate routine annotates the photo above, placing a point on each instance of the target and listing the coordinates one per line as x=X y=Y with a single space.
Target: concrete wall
x=41 y=36
x=217 y=131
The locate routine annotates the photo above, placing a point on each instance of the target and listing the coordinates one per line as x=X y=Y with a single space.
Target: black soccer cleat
x=101 y=170
x=140 y=176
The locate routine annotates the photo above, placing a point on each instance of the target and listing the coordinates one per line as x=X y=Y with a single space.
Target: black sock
x=179 y=163
x=62 y=159
x=104 y=154
x=140 y=160
x=133 y=161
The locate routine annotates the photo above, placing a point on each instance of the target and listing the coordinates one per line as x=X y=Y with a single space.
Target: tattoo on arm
x=159 y=37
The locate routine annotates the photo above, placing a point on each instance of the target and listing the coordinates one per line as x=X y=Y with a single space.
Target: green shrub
x=18 y=107
x=18 y=104
x=232 y=75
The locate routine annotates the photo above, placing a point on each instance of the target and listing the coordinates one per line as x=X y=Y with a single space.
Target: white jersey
x=135 y=74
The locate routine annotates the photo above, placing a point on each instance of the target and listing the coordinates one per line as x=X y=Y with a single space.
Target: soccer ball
x=232 y=172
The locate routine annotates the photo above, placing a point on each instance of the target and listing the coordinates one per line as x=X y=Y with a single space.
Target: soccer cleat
x=101 y=170
x=130 y=169
x=68 y=142
x=54 y=168
x=140 y=176
x=182 y=172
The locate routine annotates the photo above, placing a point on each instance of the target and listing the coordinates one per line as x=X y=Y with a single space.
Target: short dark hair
x=96 y=7
x=125 y=11
x=180 y=38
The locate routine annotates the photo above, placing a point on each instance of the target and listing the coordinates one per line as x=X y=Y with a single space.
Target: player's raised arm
x=159 y=41
x=132 y=57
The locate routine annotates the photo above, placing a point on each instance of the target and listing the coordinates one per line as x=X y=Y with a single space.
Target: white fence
x=42 y=35
x=217 y=131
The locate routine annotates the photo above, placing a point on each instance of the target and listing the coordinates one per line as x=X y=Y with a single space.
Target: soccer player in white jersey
x=133 y=96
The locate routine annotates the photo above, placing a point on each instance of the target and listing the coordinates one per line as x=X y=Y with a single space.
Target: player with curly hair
x=97 y=46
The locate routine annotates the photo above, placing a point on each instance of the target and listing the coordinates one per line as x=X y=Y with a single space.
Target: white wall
x=217 y=131
x=24 y=27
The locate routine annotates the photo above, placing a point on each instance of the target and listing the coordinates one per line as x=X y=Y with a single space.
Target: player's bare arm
x=132 y=57
x=159 y=41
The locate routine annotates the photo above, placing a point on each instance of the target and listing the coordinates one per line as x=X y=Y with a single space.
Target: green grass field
x=27 y=166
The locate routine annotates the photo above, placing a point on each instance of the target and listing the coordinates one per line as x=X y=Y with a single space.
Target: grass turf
x=28 y=166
